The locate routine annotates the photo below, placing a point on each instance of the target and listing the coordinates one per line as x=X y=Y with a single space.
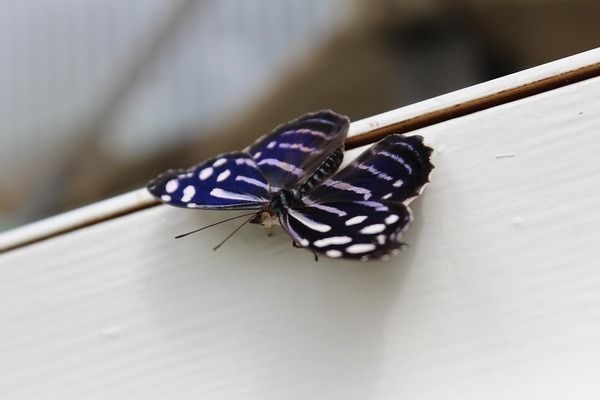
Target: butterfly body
x=270 y=212
x=289 y=177
x=285 y=199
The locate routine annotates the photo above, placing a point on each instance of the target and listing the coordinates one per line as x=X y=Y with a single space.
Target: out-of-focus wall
x=136 y=76
x=98 y=96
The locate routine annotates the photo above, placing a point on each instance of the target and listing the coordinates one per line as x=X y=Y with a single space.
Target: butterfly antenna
x=216 y=223
x=233 y=233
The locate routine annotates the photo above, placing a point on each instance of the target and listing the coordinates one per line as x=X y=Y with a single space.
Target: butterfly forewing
x=359 y=229
x=228 y=181
x=394 y=169
x=294 y=150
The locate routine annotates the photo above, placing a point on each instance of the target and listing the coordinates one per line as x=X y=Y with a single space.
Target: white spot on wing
x=374 y=204
x=223 y=175
x=224 y=194
x=333 y=253
x=283 y=165
x=271 y=145
x=305 y=131
x=252 y=181
x=297 y=146
x=398 y=183
x=332 y=241
x=309 y=223
x=387 y=196
x=340 y=185
x=360 y=248
x=398 y=159
x=381 y=239
x=248 y=161
x=356 y=220
x=371 y=169
x=372 y=229
x=257 y=155
x=219 y=162
x=165 y=197
x=191 y=205
x=205 y=173
x=329 y=209
x=391 y=219
x=188 y=193
x=172 y=186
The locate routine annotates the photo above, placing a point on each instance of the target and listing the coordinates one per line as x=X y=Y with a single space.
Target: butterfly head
x=269 y=214
x=265 y=218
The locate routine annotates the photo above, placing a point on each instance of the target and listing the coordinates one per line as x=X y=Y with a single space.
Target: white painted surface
x=67 y=221
x=496 y=297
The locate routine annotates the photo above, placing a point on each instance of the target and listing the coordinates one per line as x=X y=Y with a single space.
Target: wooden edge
x=70 y=221
x=472 y=106
x=369 y=130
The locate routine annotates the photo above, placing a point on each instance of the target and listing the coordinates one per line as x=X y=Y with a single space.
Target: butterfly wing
x=357 y=229
x=395 y=169
x=227 y=181
x=361 y=212
x=294 y=150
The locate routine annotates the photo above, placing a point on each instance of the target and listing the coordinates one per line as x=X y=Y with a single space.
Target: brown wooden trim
x=421 y=121
x=472 y=106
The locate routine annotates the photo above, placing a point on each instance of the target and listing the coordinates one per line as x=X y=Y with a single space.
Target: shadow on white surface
x=289 y=320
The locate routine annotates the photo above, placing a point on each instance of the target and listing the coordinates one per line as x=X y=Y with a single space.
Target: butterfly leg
x=296 y=245
x=316 y=256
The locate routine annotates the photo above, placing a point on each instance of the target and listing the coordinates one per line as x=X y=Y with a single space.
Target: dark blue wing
x=361 y=212
x=357 y=230
x=394 y=169
x=294 y=150
x=227 y=181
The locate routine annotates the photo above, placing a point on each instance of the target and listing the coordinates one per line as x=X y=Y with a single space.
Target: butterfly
x=288 y=177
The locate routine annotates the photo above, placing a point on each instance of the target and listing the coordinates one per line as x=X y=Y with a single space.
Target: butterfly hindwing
x=394 y=169
x=294 y=150
x=356 y=230
x=228 y=181
x=361 y=212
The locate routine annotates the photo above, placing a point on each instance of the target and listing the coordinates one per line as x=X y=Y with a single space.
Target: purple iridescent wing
x=394 y=169
x=361 y=212
x=227 y=181
x=294 y=150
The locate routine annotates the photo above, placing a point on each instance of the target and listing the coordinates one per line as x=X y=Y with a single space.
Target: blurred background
x=98 y=96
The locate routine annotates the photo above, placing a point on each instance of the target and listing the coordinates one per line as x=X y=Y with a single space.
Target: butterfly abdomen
x=325 y=170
